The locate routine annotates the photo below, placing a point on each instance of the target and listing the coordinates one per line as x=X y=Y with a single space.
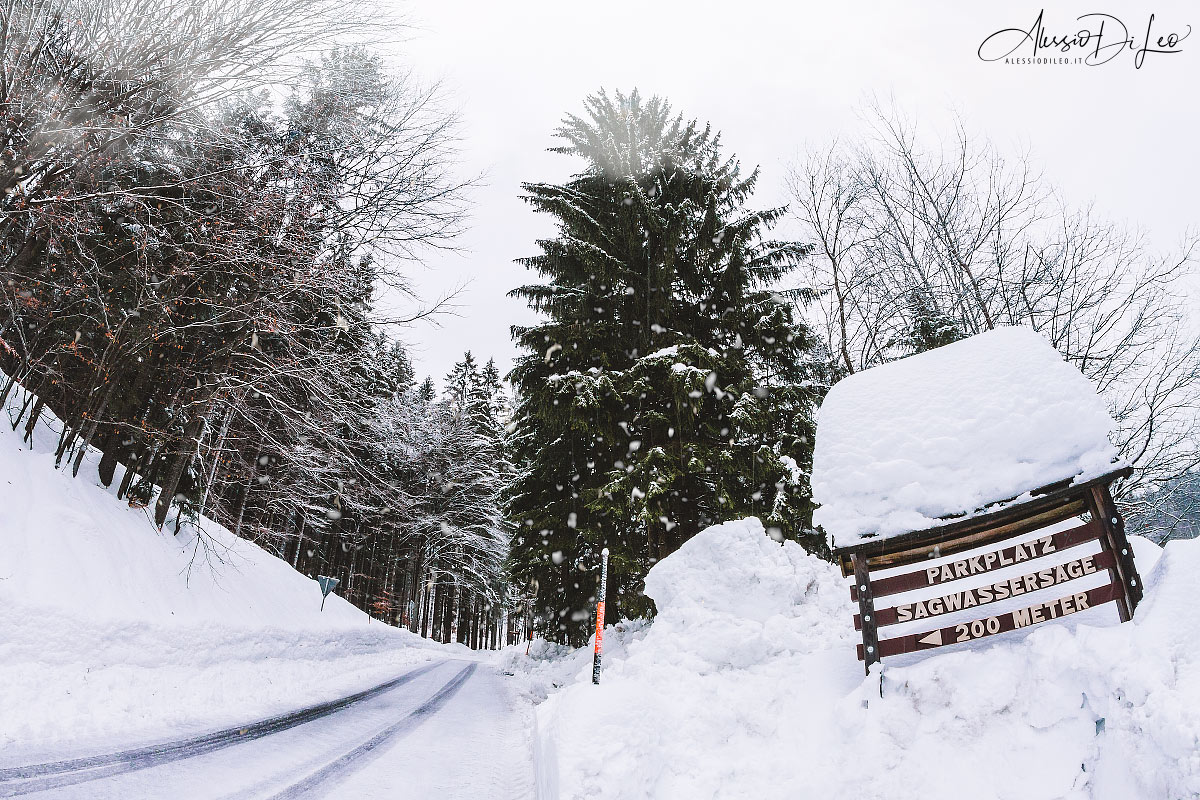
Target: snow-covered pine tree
x=925 y=326
x=197 y=303
x=671 y=386
x=476 y=479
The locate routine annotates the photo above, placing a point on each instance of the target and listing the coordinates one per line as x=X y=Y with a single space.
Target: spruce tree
x=671 y=386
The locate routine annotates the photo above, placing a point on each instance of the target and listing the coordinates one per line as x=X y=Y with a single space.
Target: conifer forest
x=211 y=213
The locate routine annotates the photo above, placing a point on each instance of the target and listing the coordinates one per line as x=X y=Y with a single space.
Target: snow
x=477 y=746
x=746 y=686
x=952 y=430
x=548 y=666
x=114 y=632
x=665 y=352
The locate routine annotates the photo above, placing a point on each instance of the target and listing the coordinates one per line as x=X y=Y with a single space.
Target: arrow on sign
x=933 y=639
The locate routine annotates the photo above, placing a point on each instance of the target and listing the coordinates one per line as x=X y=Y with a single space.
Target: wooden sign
x=991 y=593
x=1048 y=506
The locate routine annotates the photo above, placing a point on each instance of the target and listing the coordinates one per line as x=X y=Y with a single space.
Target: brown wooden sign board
x=992 y=593
x=1063 y=540
x=1048 y=506
x=1001 y=623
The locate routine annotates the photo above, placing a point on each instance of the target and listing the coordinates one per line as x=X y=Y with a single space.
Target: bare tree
x=189 y=256
x=919 y=245
x=1169 y=512
x=87 y=84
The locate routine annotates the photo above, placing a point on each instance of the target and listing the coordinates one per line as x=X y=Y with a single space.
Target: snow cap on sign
x=902 y=446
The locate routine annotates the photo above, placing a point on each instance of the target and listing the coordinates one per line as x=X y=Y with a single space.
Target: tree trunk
x=427 y=606
x=464 y=619
x=127 y=480
x=449 y=610
x=33 y=418
x=8 y=387
x=216 y=459
x=187 y=448
x=24 y=407
x=299 y=540
x=108 y=459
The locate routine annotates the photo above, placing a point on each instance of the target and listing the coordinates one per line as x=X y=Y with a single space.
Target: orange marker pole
x=600 y=616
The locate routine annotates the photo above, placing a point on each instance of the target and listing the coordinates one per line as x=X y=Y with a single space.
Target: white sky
x=776 y=78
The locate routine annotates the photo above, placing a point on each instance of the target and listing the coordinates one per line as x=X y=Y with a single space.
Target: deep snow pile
x=113 y=632
x=947 y=431
x=746 y=686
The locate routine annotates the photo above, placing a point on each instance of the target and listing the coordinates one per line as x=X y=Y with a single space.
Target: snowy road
x=443 y=730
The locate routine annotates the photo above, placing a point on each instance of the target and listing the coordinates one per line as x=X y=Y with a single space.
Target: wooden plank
x=1064 y=510
x=997 y=559
x=1114 y=571
x=1001 y=623
x=993 y=593
x=1124 y=551
x=866 y=611
x=1105 y=511
x=1049 y=504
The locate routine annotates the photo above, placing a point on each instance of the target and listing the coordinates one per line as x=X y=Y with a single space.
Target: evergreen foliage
x=928 y=328
x=671 y=385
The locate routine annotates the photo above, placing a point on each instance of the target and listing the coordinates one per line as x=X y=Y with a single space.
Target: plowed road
x=443 y=730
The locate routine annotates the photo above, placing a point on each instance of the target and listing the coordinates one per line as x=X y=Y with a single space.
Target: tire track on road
x=359 y=757
x=15 y=781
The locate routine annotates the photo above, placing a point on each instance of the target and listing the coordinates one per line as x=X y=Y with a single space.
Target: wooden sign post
x=1047 y=506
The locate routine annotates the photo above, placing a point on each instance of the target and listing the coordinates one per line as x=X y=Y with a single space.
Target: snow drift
x=746 y=686
x=948 y=431
x=114 y=632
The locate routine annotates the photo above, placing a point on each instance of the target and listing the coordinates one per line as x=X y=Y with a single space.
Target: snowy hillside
x=110 y=628
x=746 y=686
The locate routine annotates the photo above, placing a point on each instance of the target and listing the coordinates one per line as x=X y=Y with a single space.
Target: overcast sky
x=776 y=78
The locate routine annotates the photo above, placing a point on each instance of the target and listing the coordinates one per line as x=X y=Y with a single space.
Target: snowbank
x=547 y=666
x=746 y=686
x=948 y=431
x=112 y=631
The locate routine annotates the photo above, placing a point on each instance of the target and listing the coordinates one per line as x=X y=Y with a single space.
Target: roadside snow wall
x=113 y=632
x=746 y=686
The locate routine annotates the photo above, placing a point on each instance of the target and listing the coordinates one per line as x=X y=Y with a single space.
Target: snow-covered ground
x=112 y=632
x=746 y=686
